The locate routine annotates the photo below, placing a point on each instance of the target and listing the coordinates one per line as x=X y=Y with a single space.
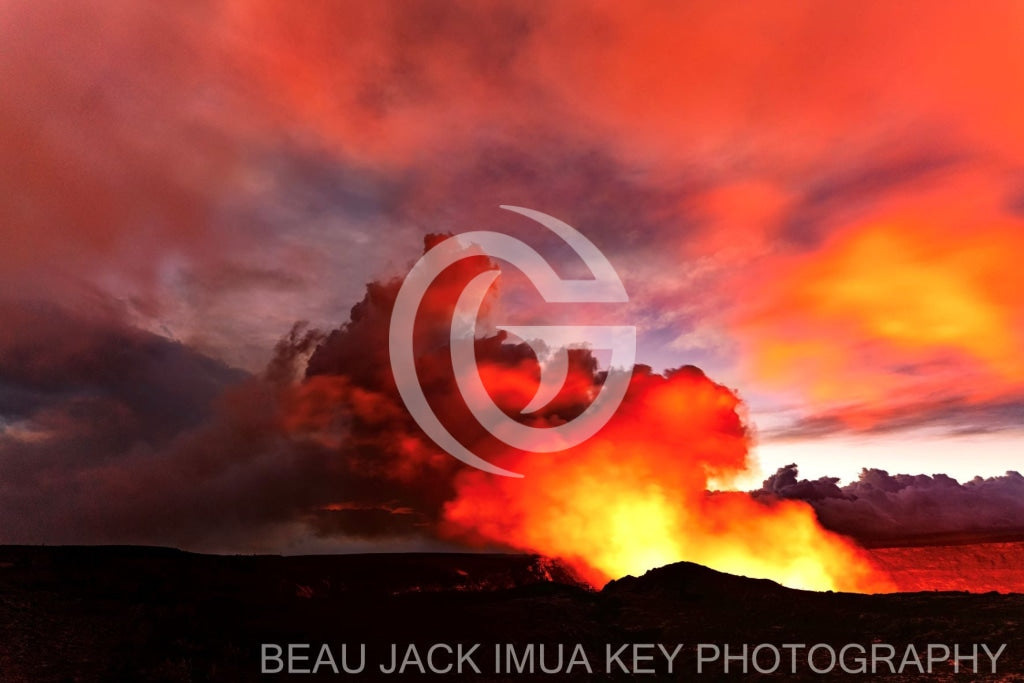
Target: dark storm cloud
x=132 y=438
x=88 y=406
x=881 y=508
x=115 y=435
x=50 y=358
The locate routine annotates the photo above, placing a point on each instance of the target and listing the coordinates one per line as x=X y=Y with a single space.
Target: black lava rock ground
x=151 y=614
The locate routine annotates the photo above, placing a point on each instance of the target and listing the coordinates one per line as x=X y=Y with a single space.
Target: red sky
x=820 y=204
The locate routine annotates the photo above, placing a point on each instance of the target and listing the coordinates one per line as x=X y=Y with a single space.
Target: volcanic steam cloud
x=631 y=498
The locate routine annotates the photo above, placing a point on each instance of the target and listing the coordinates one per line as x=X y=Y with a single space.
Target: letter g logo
x=550 y=343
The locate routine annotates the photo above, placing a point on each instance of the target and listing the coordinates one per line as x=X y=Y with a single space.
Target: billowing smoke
x=631 y=498
x=320 y=446
x=635 y=497
x=884 y=509
x=389 y=476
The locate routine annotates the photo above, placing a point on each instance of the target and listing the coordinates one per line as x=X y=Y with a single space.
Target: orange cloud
x=919 y=297
x=795 y=81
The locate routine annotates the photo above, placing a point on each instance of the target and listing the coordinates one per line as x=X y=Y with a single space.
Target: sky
x=821 y=205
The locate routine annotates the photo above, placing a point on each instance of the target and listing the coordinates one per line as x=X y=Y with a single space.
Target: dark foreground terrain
x=150 y=614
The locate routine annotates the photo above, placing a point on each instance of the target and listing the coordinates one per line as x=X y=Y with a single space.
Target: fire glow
x=631 y=498
x=635 y=497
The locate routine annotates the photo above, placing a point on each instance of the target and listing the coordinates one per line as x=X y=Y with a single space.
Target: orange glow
x=975 y=567
x=921 y=298
x=899 y=291
x=634 y=498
